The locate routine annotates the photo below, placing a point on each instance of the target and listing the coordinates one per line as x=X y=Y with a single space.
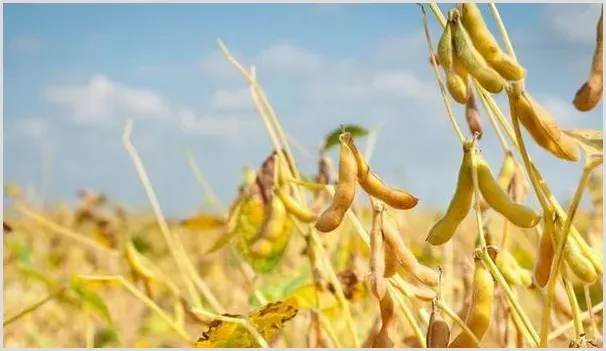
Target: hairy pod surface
x=487 y=45
x=375 y=187
x=498 y=200
x=578 y=263
x=480 y=310
x=540 y=125
x=508 y=68
x=505 y=176
x=438 y=331
x=377 y=257
x=445 y=49
x=344 y=193
x=391 y=263
x=292 y=207
x=545 y=254
x=471 y=59
x=482 y=39
x=455 y=83
x=459 y=206
x=456 y=87
x=590 y=93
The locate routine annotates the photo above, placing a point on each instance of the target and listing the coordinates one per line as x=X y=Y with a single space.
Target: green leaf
x=105 y=336
x=90 y=299
x=22 y=252
x=332 y=139
x=590 y=140
x=30 y=272
x=141 y=243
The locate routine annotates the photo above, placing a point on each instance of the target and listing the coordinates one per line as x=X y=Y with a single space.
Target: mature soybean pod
x=459 y=206
x=375 y=187
x=301 y=213
x=487 y=45
x=482 y=39
x=407 y=260
x=455 y=84
x=590 y=253
x=456 y=87
x=524 y=274
x=391 y=265
x=517 y=214
x=542 y=268
x=471 y=59
x=385 y=337
x=460 y=69
x=505 y=176
x=508 y=270
x=377 y=257
x=590 y=93
x=540 y=125
x=579 y=264
x=480 y=310
x=438 y=331
x=344 y=194
x=445 y=49
x=508 y=68
x=261 y=248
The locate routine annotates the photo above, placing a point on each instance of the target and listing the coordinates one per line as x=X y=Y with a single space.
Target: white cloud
x=231 y=100
x=405 y=84
x=25 y=44
x=227 y=125
x=402 y=48
x=285 y=57
x=102 y=100
x=35 y=128
x=574 y=22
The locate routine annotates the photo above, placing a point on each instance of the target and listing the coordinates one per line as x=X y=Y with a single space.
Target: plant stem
x=574 y=305
x=502 y=29
x=64 y=231
x=146 y=300
x=208 y=190
x=594 y=327
x=184 y=265
x=409 y=316
x=493 y=121
x=476 y=194
x=585 y=315
x=434 y=64
x=268 y=116
x=31 y=308
x=529 y=333
x=561 y=244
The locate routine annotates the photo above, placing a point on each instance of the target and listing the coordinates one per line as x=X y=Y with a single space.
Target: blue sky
x=74 y=72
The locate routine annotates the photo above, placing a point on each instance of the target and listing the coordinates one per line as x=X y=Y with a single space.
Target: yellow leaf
x=203 y=223
x=590 y=140
x=267 y=320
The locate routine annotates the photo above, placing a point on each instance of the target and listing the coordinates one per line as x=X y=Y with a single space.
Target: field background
x=66 y=109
